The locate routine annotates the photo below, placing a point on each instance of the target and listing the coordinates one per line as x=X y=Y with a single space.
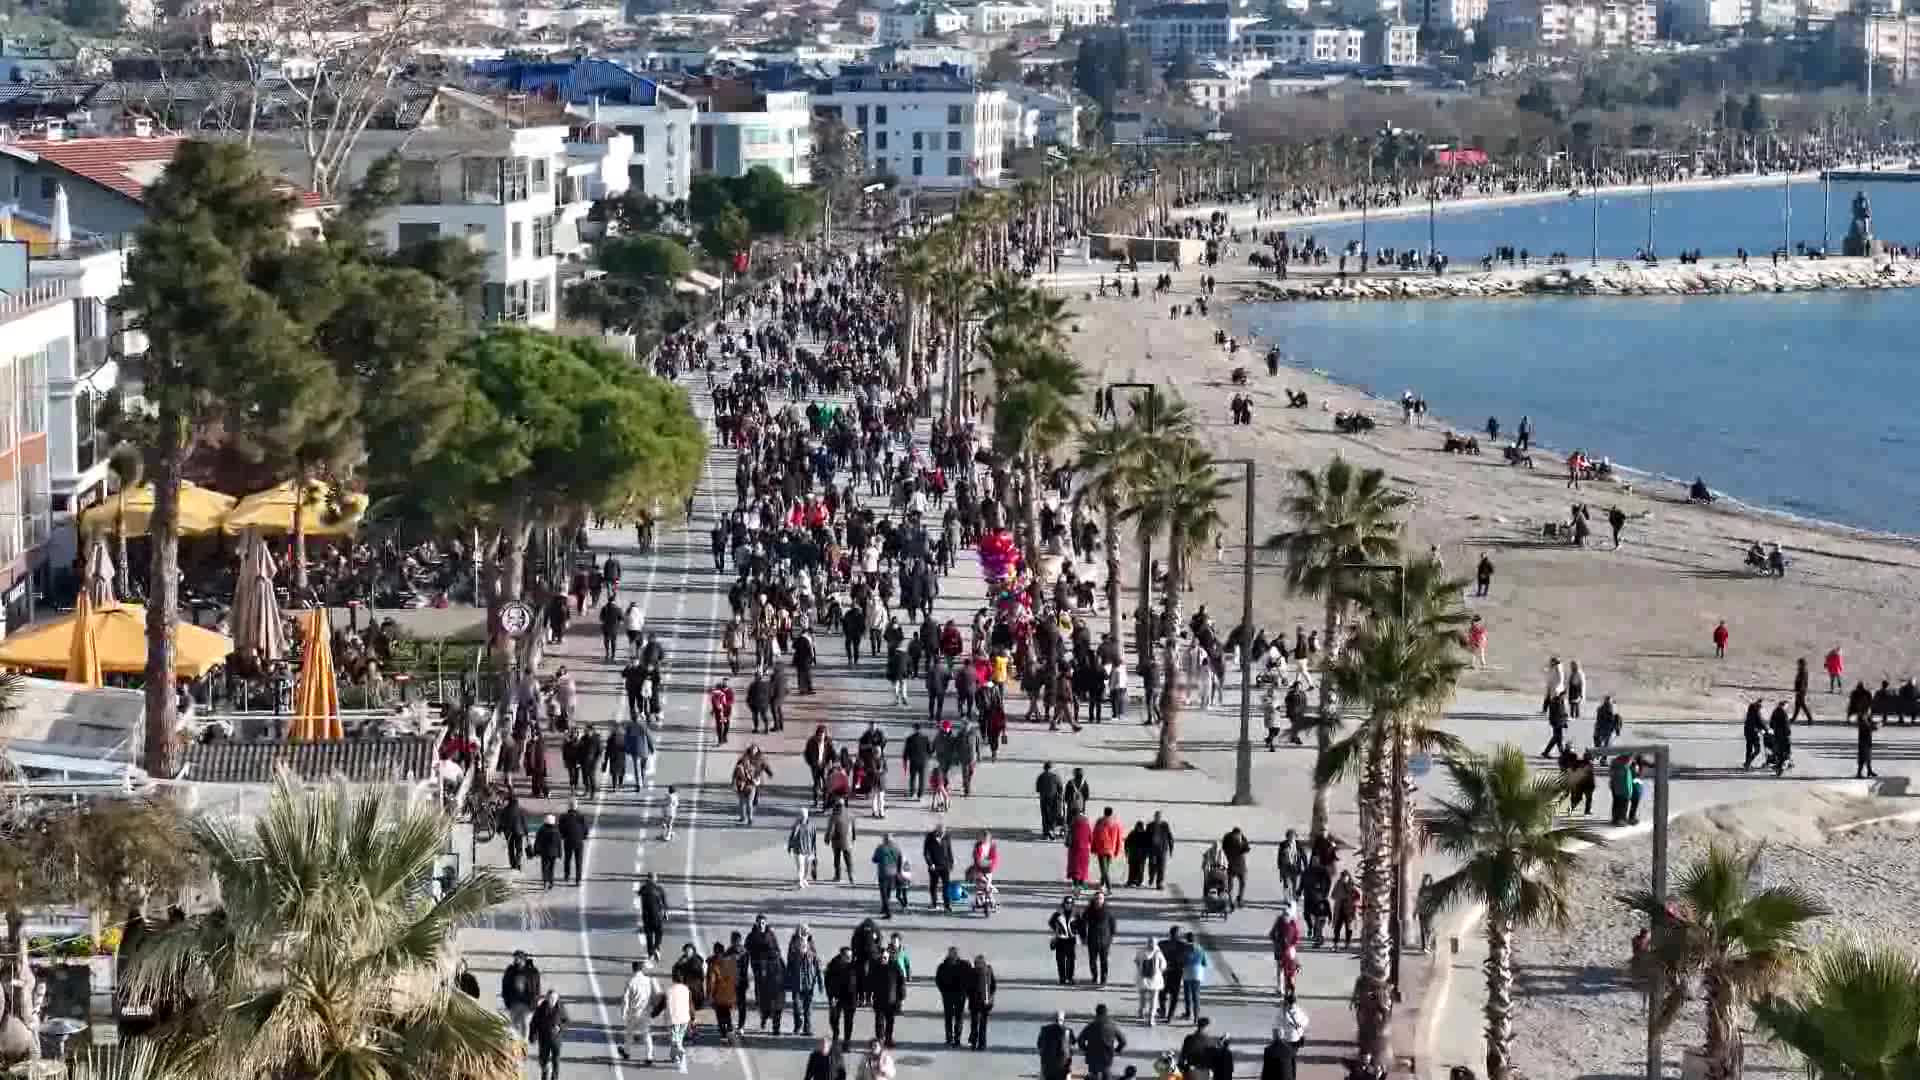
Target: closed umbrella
x=256 y=610
x=316 y=697
x=99 y=582
x=83 y=657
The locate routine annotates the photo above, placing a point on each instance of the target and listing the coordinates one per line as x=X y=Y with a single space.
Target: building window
x=477 y=238
x=542 y=237
x=916 y=141
x=953 y=114
x=409 y=233
x=540 y=175
x=516 y=244
x=480 y=180
x=860 y=116
x=537 y=295
x=953 y=167
x=515 y=179
x=879 y=114
x=48 y=185
x=953 y=140
x=879 y=140
x=916 y=167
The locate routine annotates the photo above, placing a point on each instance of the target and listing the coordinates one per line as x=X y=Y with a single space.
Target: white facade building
x=1055 y=117
x=1554 y=24
x=1079 y=12
x=1454 y=14
x=918 y=20
x=736 y=130
x=1305 y=44
x=1891 y=40
x=662 y=163
x=999 y=16
x=1199 y=29
x=928 y=129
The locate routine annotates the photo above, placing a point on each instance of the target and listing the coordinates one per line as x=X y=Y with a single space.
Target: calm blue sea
x=1807 y=403
x=1715 y=221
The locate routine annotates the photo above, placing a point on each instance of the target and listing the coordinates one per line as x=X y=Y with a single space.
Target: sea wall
x=1706 y=278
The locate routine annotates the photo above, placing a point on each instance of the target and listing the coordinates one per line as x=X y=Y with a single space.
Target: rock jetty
x=1707 y=278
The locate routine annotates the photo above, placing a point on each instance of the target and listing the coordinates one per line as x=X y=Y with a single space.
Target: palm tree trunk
x=1143 y=606
x=1499 y=1012
x=1110 y=537
x=300 y=536
x=163 y=590
x=120 y=546
x=1030 y=515
x=1169 y=754
x=1324 y=730
x=1373 y=1003
x=1723 y=1037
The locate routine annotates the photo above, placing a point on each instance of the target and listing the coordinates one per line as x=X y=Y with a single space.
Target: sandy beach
x=1638 y=619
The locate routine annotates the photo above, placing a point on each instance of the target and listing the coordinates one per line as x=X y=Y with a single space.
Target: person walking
x=1720 y=636
x=679 y=1019
x=803 y=978
x=1097 y=930
x=936 y=854
x=1483 y=575
x=1194 y=977
x=610 y=630
x=573 y=841
x=1159 y=850
x=1836 y=669
x=915 y=751
x=546 y=848
x=723 y=989
x=519 y=993
x=953 y=978
x=801 y=843
x=1055 y=1046
x=1864 y=727
x=1100 y=1042
x=652 y=900
x=1236 y=847
x=824 y=1064
x=981 y=992
x=1109 y=839
x=1050 y=790
x=841 y=981
x=1150 y=978
x=887 y=986
x=636 y=1012
x=887 y=866
x=548 y=1025
x=1079 y=849
x=511 y=823
x=1060 y=938
x=1800 y=687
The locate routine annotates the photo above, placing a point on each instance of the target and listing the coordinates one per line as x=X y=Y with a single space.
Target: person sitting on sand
x=1699 y=492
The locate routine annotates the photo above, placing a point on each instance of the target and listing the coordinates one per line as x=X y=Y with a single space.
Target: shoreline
x=1240 y=215
x=1638 y=617
x=1718 y=276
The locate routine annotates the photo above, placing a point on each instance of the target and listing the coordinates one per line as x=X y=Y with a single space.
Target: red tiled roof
x=106 y=161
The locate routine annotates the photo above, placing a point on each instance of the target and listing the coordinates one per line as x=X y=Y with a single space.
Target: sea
x=1805 y=404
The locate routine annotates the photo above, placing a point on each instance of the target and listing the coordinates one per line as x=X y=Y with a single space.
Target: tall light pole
x=1243 y=752
x=1396 y=927
x=1593 y=173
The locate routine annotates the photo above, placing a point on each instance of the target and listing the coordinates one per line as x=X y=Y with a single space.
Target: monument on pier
x=1859 y=239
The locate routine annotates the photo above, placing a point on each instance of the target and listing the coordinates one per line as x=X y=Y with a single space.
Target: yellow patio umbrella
x=83 y=657
x=325 y=512
x=120 y=639
x=201 y=511
x=316 y=697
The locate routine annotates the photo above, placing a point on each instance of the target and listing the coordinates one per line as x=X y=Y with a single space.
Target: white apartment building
x=928 y=129
x=1556 y=25
x=1454 y=14
x=1892 y=40
x=661 y=164
x=1199 y=29
x=1216 y=93
x=999 y=16
x=1694 y=19
x=1054 y=118
x=737 y=129
x=1079 y=12
x=1305 y=44
x=918 y=20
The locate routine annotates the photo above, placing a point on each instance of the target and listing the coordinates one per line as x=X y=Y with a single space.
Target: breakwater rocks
x=1705 y=278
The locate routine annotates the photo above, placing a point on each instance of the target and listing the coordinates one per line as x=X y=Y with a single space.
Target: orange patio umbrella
x=83 y=658
x=316 y=697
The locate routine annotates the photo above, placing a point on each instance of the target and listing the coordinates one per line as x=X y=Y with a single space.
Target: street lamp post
x=1396 y=929
x=1243 y=752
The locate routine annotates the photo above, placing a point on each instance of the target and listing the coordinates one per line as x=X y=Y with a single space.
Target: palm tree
x=1179 y=493
x=1037 y=390
x=127 y=466
x=1720 y=927
x=1006 y=300
x=1109 y=466
x=1156 y=422
x=1514 y=859
x=331 y=955
x=1403 y=663
x=952 y=288
x=913 y=272
x=1855 y=1016
x=1342 y=515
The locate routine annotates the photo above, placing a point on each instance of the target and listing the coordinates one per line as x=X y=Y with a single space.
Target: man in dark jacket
x=760 y=701
x=573 y=840
x=1049 y=789
x=1200 y=1049
x=817 y=751
x=980 y=997
x=937 y=856
x=1159 y=850
x=546 y=848
x=610 y=620
x=616 y=758
x=822 y=1063
x=1235 y=847
x=953 y=978
x=1097 y=929
x=548 y=1026
x=520 y=991
x=512 y=824
x=843 y=993
x=1056 y=1049
x=1281 y=1061
x=592 y=750
x=915 y=752
x=1100 y=1042
x=1174 y=948
x=939 y=679
x=804 y=658
x=653 y=913
x=888 y=985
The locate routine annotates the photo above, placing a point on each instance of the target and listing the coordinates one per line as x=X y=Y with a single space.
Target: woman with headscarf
x=1079 y=849
x=803 y=977
x=770 y=987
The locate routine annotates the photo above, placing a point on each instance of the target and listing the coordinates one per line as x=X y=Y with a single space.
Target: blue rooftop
x=577 y=83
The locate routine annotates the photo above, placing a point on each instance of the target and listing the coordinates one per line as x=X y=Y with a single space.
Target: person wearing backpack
x=800 y=845
x=1150 y=977
x=520 y=992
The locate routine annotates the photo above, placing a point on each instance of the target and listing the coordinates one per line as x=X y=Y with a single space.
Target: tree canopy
x=761 y=202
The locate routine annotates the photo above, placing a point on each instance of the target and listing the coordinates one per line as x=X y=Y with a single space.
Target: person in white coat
x=878 y=1064
x=679 y=1020
x=636 y=1012
x=1150 y=977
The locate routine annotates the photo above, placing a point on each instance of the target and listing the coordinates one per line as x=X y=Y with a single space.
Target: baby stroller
x=1216 y=894
x=981 y=895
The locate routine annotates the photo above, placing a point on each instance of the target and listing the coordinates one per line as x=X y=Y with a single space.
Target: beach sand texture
x=1638 y=619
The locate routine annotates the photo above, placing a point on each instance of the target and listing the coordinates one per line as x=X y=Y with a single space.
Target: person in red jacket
x=1079 y=849
x=720 y=703
x=1836 y=667
x=1720 y=640
x=1109 y=838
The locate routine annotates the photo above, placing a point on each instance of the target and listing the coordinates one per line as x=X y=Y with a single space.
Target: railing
x=18 y=302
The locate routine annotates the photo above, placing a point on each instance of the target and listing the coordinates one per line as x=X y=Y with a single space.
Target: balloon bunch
x=999 y=558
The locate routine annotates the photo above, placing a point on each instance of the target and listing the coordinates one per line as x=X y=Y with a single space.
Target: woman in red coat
x=1079 y=849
